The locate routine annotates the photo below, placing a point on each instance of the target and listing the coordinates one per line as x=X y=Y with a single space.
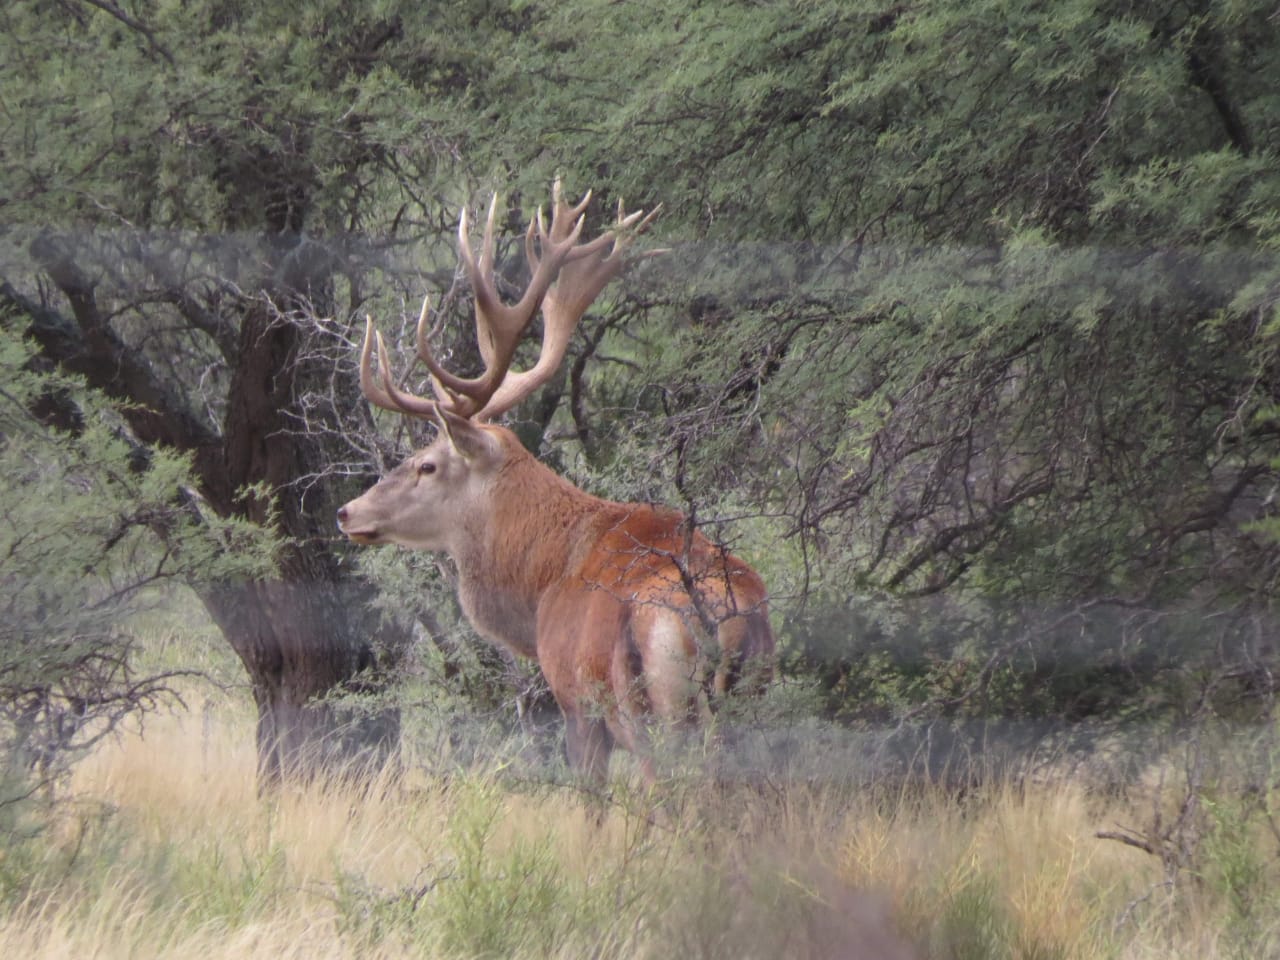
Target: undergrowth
x=168 y=850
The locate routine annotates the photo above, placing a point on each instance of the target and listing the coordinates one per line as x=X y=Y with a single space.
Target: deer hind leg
x=656 y=677
x=743 y=665
x=589 y=745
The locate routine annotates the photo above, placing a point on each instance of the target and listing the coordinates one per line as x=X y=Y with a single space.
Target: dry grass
x=171 y=853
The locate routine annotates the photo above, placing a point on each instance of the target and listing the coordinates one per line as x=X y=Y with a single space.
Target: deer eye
x=426 y=467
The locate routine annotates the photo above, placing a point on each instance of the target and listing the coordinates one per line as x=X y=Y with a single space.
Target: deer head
x=424 y=502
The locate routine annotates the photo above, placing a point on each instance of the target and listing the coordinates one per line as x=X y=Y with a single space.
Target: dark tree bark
x=309 y=634
x=300 y=641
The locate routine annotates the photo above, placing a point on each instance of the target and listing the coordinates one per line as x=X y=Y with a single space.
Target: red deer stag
x=632 y=614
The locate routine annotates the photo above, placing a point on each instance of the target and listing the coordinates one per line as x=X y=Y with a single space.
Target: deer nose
x=342 y=516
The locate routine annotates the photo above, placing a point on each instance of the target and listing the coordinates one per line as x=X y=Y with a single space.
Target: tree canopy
x=967 y=334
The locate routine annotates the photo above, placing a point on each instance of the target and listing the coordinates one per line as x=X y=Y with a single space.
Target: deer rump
x=654 y=624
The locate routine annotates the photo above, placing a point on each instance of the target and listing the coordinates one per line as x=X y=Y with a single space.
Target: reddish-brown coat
x=632 y=616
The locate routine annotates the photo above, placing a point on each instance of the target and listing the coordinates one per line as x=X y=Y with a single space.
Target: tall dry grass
x=170 y=852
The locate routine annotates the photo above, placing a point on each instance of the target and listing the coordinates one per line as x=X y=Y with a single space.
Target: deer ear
x=465 y=438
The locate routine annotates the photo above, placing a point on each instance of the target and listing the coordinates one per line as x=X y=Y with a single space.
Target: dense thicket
x=89 y=523
x=969 y=324
x=984 y=295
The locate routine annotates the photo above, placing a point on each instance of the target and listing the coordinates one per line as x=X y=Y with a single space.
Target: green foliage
x=1237 y=865
x=969 y=333
x=458 y=673
x=1009 y=343
x=1030 y=219
x=972 y=924
x=89 y=521
x=493 y=905
x=210 y=118
x=188 y=190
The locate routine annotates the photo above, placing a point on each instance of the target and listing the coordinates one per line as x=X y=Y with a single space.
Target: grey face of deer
x=424 y=503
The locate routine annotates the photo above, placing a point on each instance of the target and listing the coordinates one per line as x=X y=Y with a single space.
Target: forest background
x=966 y=339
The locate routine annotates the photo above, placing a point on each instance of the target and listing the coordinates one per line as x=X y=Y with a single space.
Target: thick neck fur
x=519 y=539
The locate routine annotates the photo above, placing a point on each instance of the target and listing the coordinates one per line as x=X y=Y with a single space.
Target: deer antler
x=566 y=277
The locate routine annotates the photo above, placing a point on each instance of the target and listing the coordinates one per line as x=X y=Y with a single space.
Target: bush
x=89 y=522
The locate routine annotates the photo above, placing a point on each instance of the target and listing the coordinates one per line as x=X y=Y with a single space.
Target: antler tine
x=498 y=326
x=626 y=228
x=486 y=242
x=373 y=393
x=586 y=271
x=564 y=219
x=410 y=403
x=538 y=231
x=422 y=338
x=566 y=277
x=559 y=208
x=485 y=295
x=386 y=394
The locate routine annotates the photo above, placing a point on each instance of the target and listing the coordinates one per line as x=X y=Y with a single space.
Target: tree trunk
x=302 y=644
x=310 y=633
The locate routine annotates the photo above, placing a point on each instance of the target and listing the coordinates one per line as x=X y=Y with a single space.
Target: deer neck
x=523 y=539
